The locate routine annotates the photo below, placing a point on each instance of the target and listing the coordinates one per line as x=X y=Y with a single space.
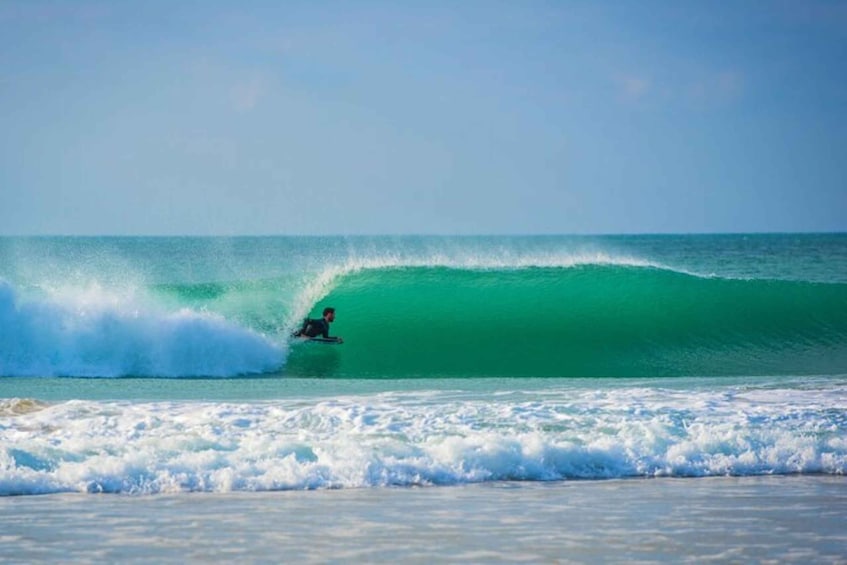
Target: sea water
x=154 y=368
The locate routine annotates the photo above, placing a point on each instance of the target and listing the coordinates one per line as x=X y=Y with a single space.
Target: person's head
x=329 y=314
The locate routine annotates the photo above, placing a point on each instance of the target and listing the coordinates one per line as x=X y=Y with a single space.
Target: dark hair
x=329 y=310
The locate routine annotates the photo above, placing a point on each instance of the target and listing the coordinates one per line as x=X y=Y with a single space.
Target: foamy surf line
x=419 y=438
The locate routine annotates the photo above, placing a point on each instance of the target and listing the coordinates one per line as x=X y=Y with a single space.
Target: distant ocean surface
x=164 y=365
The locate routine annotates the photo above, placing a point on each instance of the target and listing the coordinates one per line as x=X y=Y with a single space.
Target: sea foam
x=422 y=438
x=94 y=334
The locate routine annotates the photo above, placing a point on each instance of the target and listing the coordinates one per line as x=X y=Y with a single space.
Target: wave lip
x=109 y=339
x=321 y=284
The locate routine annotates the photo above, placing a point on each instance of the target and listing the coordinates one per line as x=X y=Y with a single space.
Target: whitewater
x=424 y=437
x=660 y=385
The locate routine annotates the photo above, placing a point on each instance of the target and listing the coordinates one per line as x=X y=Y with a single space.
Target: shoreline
x=788 y=518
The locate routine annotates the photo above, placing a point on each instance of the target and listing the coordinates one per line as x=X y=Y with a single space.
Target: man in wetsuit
x=319 y=327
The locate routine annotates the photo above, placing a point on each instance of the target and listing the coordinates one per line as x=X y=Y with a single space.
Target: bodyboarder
x=319 y=328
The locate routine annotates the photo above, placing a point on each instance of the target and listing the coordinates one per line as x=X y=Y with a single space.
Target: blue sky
x=183 y=118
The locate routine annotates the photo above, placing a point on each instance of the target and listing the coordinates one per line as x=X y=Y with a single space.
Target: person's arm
x=326 y=335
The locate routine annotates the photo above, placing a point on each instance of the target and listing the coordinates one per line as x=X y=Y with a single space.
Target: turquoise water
x=426 y=307
x=158 y=365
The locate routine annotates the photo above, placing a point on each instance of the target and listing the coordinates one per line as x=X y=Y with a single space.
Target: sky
x=519 y=117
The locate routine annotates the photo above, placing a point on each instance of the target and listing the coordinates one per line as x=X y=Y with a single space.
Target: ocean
x=539 y=398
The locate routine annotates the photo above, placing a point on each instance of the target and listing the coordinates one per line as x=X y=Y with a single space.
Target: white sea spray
x=422 y=438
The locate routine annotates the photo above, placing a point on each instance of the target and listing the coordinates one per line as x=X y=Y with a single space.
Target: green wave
x=583 y=321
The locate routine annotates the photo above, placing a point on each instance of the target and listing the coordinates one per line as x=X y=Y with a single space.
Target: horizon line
x=433 y=234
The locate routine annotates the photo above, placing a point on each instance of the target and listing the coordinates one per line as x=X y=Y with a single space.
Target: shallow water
x=788 y=519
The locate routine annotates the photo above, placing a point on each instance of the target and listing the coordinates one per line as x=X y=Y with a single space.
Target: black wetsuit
x=315 y=328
